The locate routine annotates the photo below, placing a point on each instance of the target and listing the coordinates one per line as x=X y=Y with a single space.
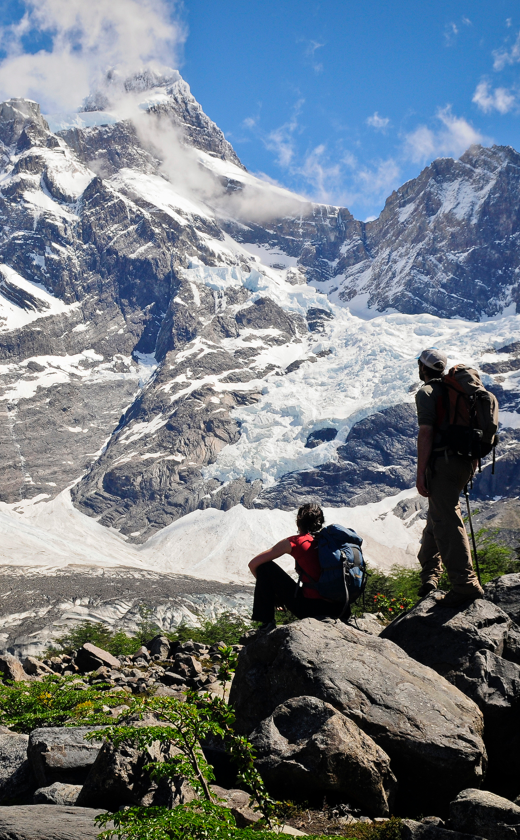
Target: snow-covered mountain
x=178 y=335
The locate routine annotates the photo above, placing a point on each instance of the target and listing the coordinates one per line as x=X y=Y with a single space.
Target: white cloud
x=281 y=140
x=378 y=122
x=346 y=181
x=310 y=54
x=451 y=31
x=453 y=138
x=503 y=57
x=500 y=99
x=88 y=38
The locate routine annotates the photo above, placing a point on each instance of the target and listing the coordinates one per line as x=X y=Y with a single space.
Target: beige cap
x=434 y=359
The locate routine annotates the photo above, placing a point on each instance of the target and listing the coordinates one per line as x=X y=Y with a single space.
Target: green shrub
x=52 y=701
x=227 y=628
x=396 y=591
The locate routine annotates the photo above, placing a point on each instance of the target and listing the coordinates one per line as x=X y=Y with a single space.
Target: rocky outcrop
x=431 y=829
x=48 y=822
x=476 y=649
x=120 y=774
x=504 y=592
x=377 y=458
x=11 y=668
x=61 y=754
x=57 y=794
x=308 y=749
x=430 y=730
x=16 y=775
x=485 y=814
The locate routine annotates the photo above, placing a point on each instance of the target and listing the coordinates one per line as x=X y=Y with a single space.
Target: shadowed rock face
x=306 y=749
x=378 y=458
x=478 y=650
x=430 y=730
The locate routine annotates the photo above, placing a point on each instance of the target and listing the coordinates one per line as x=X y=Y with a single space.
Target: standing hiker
x=441 y=476
x=274 y=587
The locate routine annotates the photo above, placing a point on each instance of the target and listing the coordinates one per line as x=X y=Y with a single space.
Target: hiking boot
x=266 y=627
x=456 y=599
x=426 y=588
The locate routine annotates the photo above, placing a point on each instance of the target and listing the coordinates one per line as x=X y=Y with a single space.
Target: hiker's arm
x=283 y=547
x=424 y=450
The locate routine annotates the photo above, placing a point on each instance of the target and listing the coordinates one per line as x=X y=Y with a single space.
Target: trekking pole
x=466 y=493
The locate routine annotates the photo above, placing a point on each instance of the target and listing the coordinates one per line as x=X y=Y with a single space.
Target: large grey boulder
x=485 y=814
x=307 y=749
x=16 y=777
x=159 y=646
x=118 y=777
x=61 y=754
x=505 y=593
x=90 y=657
x=430 y=730
x=57 y=794
x=435 y=830
x=476 y=649
x=48 y=822
x=11 y=668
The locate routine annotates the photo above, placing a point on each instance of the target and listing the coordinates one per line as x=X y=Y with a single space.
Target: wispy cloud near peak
x=500 y=99
x=453 y=137
x=87 y=38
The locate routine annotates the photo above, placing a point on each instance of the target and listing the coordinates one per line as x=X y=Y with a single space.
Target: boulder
x=431 y=731
x=505 y=593
x=11 y=668
x=412 y=830
x=35 y=668
x=369 y=623
x=16 y=777
x=61 y=754
x=48 y=822
x=238 y=803
x=307 y=750
x=159 y=646
x=476 y=649
x=90 y=658
x=485 y=814
x=57 y=794
x=118 y=777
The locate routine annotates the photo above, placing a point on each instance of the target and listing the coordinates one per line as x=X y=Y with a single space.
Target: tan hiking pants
x=444 y=539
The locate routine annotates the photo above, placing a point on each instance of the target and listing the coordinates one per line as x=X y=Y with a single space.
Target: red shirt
x=305 y=553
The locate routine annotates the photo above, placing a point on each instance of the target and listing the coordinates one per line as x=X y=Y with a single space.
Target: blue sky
x=340 y=100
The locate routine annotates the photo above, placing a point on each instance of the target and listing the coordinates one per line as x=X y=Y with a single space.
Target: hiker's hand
x=421 y=485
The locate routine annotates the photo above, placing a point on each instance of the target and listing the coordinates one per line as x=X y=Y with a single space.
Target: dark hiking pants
x=275 y=588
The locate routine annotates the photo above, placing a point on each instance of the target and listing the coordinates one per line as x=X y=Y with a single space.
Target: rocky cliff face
x=174 y=332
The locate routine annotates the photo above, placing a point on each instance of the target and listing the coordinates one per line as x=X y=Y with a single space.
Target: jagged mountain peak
x=119 y=263
x=164 y=95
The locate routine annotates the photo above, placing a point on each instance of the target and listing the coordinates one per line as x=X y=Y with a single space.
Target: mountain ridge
x=209 y=319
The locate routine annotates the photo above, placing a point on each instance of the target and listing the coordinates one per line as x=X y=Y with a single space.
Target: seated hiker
x=274 y=587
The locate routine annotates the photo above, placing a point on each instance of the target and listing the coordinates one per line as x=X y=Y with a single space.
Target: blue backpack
x=343 y=570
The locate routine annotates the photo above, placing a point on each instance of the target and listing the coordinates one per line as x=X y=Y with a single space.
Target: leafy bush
x=227 y=628
x=394 y=592
x=185 y=725
x=52 y=701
